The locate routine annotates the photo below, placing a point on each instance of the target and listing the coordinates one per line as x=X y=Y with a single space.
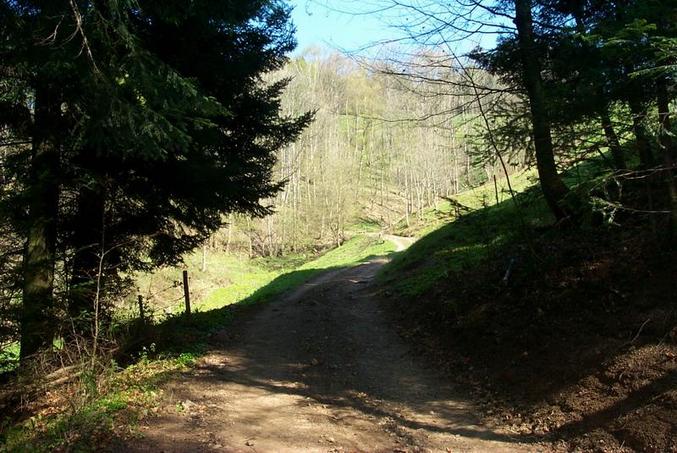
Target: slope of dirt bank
x=580 y=345
x=319 y=370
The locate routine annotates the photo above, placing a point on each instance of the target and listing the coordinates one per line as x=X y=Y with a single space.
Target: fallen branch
x=639 y=332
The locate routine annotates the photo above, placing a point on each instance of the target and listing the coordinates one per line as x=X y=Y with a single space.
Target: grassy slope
x=482 y=196
x=448 y=244
x=564 y=348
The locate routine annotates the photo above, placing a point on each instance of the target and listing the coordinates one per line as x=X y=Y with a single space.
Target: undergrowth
x=94 y=409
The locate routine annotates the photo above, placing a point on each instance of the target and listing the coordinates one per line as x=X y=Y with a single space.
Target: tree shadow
x=635 y=400
x=320 y=344
x=197 y=332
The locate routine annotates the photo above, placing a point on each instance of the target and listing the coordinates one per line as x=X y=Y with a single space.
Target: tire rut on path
x=320 y=370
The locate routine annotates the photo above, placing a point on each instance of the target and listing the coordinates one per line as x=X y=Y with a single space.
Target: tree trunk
x=552 y=185
x=669 y=151
x=646 y=159
x=230 y=233
x=612 y=139
x=37 y=326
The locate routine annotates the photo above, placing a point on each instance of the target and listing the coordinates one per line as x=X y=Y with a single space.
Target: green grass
x=364 y=225
x=163 y=291
x=9 y=357
x=246 y=280
x=354 y=251
x=99 y=408
x=450 y=244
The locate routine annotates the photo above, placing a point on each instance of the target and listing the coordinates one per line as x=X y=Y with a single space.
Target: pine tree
x=150 y=121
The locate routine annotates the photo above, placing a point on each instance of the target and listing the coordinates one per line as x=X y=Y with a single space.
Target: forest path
x=401 y=243
x=320 y=370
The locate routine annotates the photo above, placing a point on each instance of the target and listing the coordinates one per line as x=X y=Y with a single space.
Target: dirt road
x=401 y=243
x=320 y=370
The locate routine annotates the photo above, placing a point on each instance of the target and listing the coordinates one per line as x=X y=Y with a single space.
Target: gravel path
x=320 y=370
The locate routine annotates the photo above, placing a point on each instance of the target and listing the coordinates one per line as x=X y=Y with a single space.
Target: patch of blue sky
x=369 y=26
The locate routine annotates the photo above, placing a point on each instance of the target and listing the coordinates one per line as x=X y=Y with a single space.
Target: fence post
x=186 y=292
x=142 y=314
x=496 y=189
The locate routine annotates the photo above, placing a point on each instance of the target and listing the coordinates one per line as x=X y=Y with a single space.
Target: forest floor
x=320 y=369
x=568 y=336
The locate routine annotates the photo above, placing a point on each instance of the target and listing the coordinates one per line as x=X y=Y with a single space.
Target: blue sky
x=317 y=25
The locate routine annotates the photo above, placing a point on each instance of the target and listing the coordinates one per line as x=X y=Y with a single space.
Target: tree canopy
x=140 y=124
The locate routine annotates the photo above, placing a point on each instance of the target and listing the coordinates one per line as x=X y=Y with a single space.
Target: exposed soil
x=322 y=369
x=580 y=348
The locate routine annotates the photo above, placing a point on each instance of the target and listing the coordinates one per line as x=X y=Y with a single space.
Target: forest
x=460 y=236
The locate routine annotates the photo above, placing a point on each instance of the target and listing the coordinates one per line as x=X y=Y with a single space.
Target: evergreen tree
x=150 y=121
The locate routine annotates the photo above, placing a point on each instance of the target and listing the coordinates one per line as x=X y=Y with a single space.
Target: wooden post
x=142 y=314
x=496 y=189
x=186 y=291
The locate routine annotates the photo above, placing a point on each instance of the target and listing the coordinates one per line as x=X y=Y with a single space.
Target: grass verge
x=96 y=410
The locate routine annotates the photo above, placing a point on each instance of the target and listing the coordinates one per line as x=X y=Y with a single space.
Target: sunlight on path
x=320 y=370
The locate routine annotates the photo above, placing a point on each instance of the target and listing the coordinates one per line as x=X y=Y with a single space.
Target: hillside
x=566 y=334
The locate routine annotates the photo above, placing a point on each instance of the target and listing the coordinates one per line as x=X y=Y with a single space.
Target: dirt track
x=319 y=370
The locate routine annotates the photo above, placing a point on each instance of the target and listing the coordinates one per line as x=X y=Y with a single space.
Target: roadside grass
x=98 y=410
x=162 y=290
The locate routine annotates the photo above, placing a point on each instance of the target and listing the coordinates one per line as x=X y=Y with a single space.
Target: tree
x=450 y=25
x=152 y=121
x=553 y=187
x=584 y=68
